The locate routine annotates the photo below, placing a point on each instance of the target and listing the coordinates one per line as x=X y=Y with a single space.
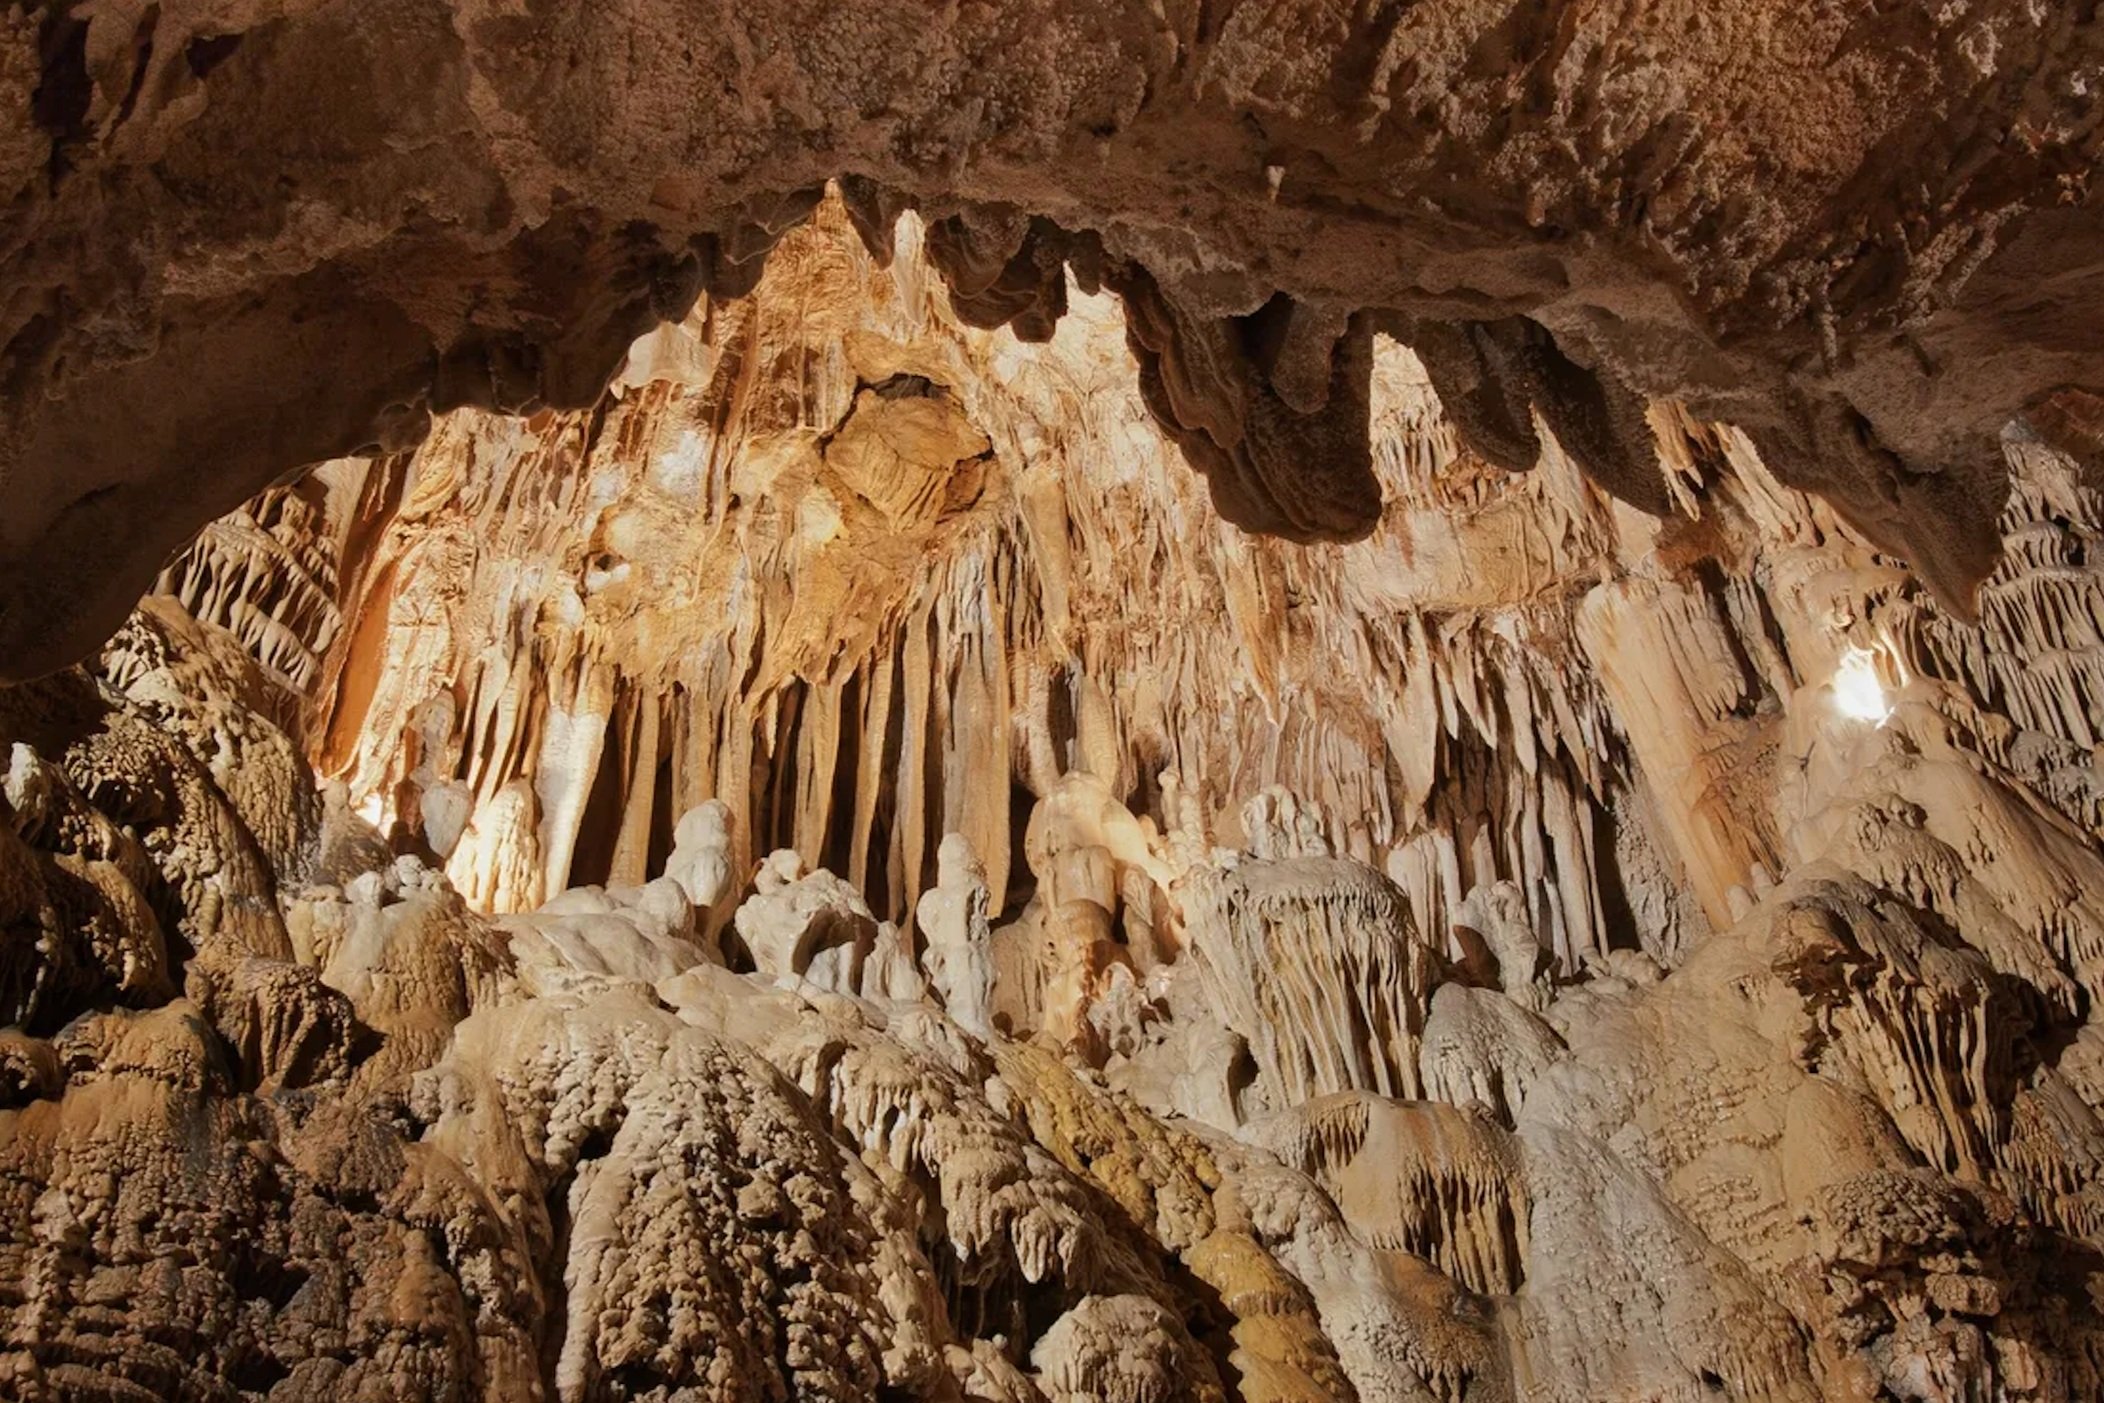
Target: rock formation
x=803 y=854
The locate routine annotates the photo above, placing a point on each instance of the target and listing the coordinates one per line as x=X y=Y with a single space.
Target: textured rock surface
x=833 y=874
x=243 y=237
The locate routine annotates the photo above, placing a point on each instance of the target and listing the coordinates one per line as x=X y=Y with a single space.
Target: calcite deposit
x=806 y=854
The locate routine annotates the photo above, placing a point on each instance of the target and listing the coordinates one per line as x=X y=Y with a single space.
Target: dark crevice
x=61 y=100
x=592 y=862
x=207 y=52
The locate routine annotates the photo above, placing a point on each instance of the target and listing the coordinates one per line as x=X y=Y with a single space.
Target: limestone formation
x=812 y=927
x=785 y=847
x=953 y=922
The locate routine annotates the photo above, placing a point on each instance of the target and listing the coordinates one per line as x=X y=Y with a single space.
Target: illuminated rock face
x=834 y=874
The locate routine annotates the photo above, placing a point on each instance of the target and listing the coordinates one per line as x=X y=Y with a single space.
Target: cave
x=1249 y=701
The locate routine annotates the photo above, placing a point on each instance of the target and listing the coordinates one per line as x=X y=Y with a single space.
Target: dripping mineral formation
x=1051 y=703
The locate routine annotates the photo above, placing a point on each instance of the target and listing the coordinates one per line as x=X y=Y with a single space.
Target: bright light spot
x=373 y=809
x=1857 y=691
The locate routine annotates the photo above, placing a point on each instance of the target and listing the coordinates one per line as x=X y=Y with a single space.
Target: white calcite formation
x=833 y=875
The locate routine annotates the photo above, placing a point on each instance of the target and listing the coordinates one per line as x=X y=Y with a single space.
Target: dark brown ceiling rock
x=1493 y=377
x=241 y=237
x=1302 y=470
x=1004 y=268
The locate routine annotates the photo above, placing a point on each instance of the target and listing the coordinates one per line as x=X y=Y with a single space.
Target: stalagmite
x=1119 y=1349
x=812 y=927
x=1315 y=962
x=952 y=917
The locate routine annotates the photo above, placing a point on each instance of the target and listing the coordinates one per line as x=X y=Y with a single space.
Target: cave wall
x=832 y=873
x=842 y=561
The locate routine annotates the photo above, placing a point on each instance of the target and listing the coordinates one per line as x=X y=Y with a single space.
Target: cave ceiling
x=242 y=238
